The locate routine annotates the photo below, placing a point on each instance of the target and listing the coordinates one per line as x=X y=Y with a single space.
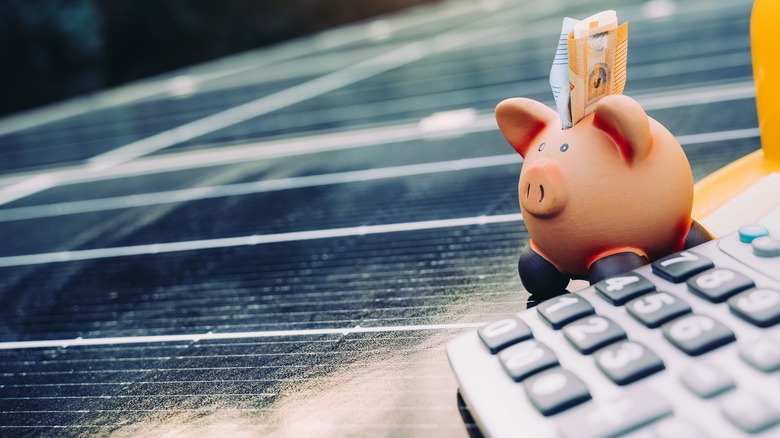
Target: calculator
x=686 y=346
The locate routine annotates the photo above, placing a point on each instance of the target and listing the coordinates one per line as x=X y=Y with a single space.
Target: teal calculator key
x=753 y=231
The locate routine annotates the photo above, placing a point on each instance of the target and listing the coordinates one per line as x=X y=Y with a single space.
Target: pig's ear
x=623 y=119
x=521 y=120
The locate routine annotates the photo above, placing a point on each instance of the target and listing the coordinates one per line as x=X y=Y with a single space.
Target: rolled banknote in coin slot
x=559 y=74
x=597 y=49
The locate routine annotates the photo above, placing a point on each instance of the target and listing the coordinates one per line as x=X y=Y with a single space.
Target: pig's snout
x=541 y=191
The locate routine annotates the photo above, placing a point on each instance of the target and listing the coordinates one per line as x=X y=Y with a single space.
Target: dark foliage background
x=54 y=49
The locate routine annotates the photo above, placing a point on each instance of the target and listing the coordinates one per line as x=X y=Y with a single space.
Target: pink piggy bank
x=610 y=194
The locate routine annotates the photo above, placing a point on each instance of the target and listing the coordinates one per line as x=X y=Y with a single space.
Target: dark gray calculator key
x=705 y=380
x=607 y=419
x=717 y=285
x=680 y=266
x=526 y=358
x=504 y=332
x=555 y=390
x=697 y=334
x=617 y=290
x=593 y=332
x=627 y=362
x=656 y=308
x=760 y=307
x=564 y=309
x=762 y=354
x=749 y=412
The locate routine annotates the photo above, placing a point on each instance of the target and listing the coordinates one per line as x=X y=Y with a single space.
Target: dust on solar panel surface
x=281 y=247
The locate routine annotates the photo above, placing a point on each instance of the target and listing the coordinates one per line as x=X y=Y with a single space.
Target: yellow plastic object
x=721 y=186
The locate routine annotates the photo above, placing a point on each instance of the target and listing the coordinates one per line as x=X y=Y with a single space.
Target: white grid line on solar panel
x=366 y=312
x=16 y=187
x=378 y=379
x=64 y=343
x=249 y=309
x=162 y=370
x=157 y=248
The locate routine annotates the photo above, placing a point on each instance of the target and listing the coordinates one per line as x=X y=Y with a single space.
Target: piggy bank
x=610 y=194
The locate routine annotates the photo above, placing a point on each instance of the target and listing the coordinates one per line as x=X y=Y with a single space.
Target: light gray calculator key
x=607 y=419
x=762 y=354
x=749 y=412
x=675 y=427
x=555 y=390
x=705 y=380
x=526 y=358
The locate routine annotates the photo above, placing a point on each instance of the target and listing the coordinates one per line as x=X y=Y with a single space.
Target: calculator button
x=766 y=246
x=717 y=285
x=680 y=266
x=705 y=380
x=617 y=417
x=656 y=308
x=618 y=290
x=593 y=332
x=504 y=332
x=675 y=427
x=526 y=358
x=555 y=390
x=697 y=334
x=564 y=309
x=762 y=354
x=627 y=362
x=749 y=412
x=759 y=307
x=749 y=232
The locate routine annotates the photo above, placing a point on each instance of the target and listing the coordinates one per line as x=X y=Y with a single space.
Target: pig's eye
x=541 y=147
x=564 y=147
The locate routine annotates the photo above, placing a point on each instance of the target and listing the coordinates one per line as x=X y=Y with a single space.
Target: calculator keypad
x=602 y=327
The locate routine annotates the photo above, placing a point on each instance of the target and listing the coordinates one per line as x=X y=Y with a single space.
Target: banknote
x=559 y=74
x=597 y=49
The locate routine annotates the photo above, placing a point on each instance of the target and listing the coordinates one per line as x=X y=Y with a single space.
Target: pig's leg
x=540 y=278
x=697 y=235
x=614 y=264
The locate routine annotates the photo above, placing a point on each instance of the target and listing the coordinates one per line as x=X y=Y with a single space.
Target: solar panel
x=282 y=242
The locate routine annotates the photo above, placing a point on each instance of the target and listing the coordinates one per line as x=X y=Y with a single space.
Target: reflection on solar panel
x=283 y=241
